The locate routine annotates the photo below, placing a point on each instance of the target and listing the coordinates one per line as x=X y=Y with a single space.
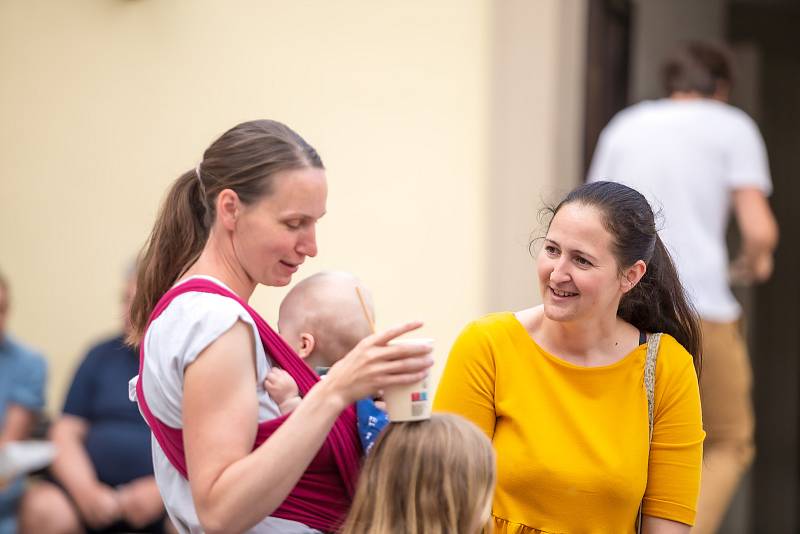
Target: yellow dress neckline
x=560 y=361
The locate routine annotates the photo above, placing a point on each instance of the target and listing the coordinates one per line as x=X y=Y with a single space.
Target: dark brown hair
x=658 y=303
x=697 y=67
x=244 y=159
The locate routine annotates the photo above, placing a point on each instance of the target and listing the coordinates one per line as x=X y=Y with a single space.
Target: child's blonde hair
x=425 y=477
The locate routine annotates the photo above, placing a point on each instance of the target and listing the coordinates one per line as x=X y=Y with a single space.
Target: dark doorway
x=623 y=42
x=607 y=67
x=771 y=30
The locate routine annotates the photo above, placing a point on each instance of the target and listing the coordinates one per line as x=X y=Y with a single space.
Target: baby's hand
x=282 y=388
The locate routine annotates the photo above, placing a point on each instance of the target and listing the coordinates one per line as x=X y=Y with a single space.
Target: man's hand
x=140 y=502
x=99 y=505
x=759 y=233
x=748 y=270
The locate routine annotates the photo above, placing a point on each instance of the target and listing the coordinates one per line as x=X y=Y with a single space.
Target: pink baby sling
x=323 y=494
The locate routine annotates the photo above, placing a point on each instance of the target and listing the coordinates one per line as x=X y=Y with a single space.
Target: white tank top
x=190 y=323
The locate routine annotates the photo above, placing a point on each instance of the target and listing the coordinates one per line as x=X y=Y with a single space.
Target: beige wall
x=105 y=103
x=536 y=120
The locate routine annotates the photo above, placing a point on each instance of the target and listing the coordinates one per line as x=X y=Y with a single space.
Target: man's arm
x=18 y=425
x=759 y=232
x=25 y=403
x=72 y=467
x=26 y=400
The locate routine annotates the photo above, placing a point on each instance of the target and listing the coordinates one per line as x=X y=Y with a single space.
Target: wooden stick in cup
x=365 y=309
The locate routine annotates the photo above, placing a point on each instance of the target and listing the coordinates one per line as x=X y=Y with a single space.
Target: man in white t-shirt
x=696 y=159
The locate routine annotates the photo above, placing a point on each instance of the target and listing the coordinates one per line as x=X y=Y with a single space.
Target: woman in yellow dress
x=559 y=388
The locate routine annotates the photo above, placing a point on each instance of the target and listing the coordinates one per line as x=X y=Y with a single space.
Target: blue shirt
x=371 y=422
x=118 y=439
x=23 y=373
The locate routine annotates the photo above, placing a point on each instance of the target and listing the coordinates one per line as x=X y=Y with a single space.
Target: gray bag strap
x=653 y=341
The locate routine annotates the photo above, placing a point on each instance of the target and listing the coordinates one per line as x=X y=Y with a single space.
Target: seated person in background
x=22 y=383
x=434 y=476
x=102 y=477
x=322 y=320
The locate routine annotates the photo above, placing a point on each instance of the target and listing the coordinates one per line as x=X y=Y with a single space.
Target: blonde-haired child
x=435 y=476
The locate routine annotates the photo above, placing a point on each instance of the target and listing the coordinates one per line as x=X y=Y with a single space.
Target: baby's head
x=321 y=317
x=426 y=477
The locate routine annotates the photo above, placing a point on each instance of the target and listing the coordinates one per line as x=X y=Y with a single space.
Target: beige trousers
x=725 y=387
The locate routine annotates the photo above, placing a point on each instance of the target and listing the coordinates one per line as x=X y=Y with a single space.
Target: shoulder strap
x=653 y=341
x=343 y=436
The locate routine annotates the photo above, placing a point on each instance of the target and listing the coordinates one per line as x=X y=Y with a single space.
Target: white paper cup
x=411 y=402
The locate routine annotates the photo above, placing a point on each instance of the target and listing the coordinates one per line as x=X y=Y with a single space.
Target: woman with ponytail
x=225 y=459
x=561 y=388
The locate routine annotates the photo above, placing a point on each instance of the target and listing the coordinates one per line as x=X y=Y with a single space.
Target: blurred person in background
x=102 y=477
x=697 y=159
x=22 y=386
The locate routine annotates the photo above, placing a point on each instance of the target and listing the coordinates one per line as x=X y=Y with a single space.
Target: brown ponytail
x=180 y=221
x=244 y=159
x=658 y=304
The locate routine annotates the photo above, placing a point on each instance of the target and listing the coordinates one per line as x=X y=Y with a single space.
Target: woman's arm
x=233 y=488
x=656 y=525
x=676 y=451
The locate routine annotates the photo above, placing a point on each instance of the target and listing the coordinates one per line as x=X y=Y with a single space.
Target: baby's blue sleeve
x=371 y=421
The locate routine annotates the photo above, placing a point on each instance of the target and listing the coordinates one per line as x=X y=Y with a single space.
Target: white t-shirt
x=190 y=323
x=687 y=157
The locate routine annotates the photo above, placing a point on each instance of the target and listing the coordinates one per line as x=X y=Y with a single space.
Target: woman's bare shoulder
x=530 y=318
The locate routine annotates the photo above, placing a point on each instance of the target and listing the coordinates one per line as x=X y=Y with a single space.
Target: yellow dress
x=572 y=441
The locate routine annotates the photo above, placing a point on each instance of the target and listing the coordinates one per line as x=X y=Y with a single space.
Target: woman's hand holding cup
x=374 y=365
